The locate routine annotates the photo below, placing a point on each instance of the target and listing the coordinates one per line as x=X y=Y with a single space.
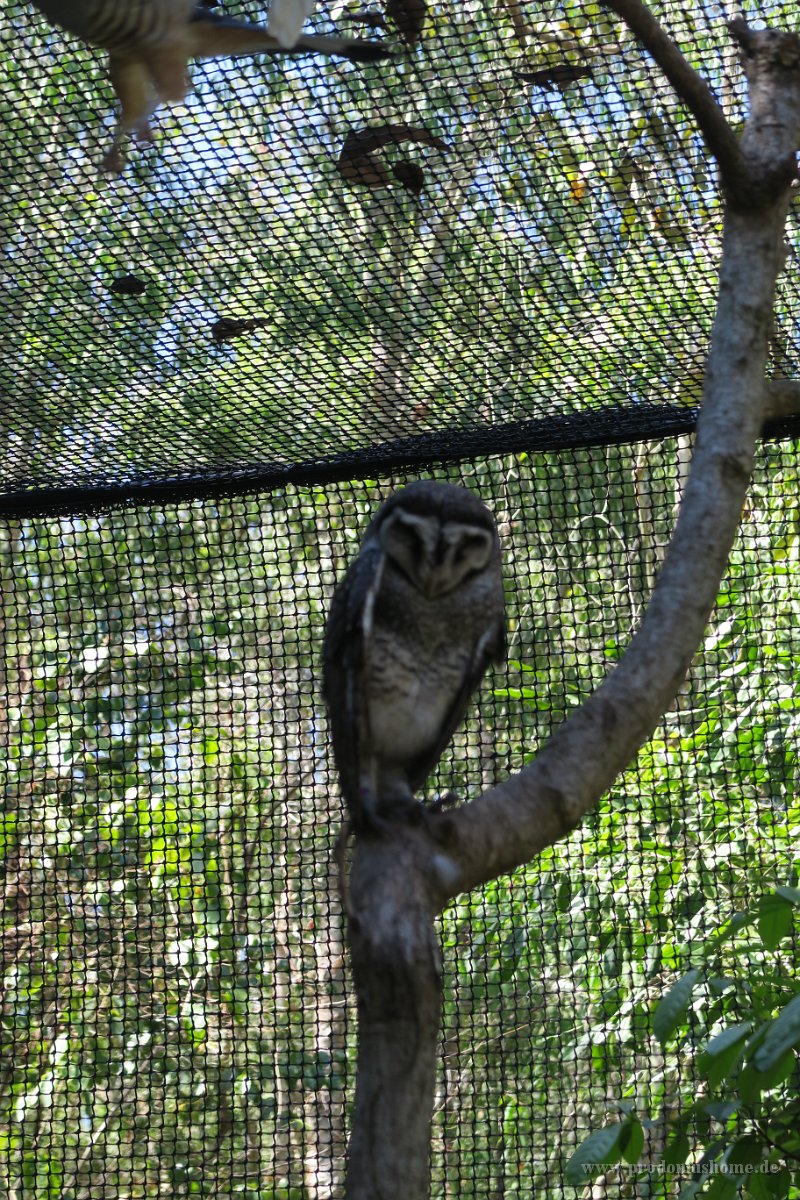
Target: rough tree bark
x=399 y=884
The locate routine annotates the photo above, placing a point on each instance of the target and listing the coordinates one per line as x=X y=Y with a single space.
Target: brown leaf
x=409 y=175
x=578 y=185
x=127 y=285
x=408 y=16
x=227 y=328
x=357 y=164
x=556 y=78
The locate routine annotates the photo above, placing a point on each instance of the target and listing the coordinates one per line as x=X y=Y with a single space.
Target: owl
x=412 y=628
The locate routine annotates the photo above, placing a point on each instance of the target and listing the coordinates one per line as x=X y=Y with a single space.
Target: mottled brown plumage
x=151 y=42
x=412 y=628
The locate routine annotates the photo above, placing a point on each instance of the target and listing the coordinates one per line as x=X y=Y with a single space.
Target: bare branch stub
x=771 y=62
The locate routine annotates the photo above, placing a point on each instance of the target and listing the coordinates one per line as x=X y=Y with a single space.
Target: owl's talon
x=371 y=825
x=441 y=803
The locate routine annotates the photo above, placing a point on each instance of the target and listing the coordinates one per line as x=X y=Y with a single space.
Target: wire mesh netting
x=176 y=1011
x=255 y=334
x=240 y=305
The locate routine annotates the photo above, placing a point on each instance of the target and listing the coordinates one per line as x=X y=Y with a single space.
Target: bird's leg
x=168 y=64
x=137 y=100
x=367 y=819
x=369 y=822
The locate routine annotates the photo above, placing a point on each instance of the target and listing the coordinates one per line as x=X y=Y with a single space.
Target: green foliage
x=174 y=1015
x=744 y=1133
x=660 y=936
x=172 y=956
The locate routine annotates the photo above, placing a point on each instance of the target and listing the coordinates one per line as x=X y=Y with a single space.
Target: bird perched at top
x=412 y=628
x=150 y=43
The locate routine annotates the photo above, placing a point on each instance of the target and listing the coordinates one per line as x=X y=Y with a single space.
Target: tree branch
x=782 y=399
x=512 y=823
x=771 y=61
x=398 y=978
x=691 y=88
x=399 y=883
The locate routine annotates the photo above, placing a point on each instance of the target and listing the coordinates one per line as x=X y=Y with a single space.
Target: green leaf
x=783 y=1035
x=757 y=1187
x=724 y=1052
x=746 y=1151
x=721 y=1110
x=775 y=920
x=677 y=1150
x=632 y=1141
x=723 y=1188
x=598 y=1151
x=779 y=1184
x=753 y=1082
x=727 y=1037
x=671 y=1011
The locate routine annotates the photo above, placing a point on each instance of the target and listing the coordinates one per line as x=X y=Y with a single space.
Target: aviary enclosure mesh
x=178 y=497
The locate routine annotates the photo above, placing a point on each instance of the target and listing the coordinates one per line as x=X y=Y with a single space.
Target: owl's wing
x=491 y=647
x=343 y=660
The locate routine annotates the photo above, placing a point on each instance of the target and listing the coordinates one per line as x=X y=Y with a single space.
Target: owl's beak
x=434 y=585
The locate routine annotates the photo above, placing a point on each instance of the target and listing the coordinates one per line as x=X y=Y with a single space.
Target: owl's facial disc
x=466 y=549
x=436 y=557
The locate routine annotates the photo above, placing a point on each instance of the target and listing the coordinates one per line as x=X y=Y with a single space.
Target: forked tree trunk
x=398 y=884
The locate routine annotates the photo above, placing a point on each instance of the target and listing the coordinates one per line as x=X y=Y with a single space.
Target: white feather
x=287 y=18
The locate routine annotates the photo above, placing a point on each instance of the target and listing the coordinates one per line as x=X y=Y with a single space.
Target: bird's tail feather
x=215 y=36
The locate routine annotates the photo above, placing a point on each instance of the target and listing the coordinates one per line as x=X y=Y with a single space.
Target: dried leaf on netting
x=578 y=186
x=127 y=285
x=409 y=175
x=556 y=78
x=227 y=328
x=363 y=169
x=373 y=20
x=356 y=163
x=408 y=16
x=662 y=220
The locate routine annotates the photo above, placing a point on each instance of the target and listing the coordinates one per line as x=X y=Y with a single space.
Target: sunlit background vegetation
x=176 y=1014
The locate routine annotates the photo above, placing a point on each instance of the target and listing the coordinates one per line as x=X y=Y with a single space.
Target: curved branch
x=510 y=824
x=399 y=883
x=692 y=89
